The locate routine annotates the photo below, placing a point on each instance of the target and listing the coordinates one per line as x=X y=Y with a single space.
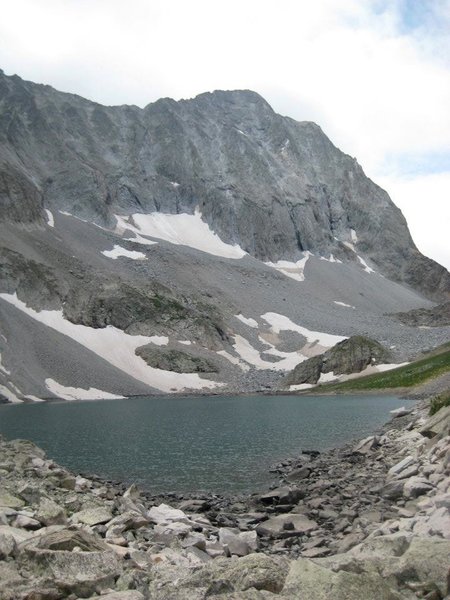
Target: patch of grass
x=439 y=402
x=407 y=376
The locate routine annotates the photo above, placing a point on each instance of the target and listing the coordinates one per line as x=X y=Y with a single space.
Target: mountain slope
x=211 y=230
x=274 y=186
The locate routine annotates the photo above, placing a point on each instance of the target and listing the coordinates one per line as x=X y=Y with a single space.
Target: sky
x=374 y=74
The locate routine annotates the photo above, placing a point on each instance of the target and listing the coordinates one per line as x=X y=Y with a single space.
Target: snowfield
x=294 y=270
x=118 y=251
x=118 y=348
x=181 y=229
x=72 y=393
x=281 y=323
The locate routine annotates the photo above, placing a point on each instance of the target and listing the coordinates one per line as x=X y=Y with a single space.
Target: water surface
x=218 y=443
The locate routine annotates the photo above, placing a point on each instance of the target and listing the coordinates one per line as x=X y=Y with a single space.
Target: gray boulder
x=349 y=356
x=286 y=525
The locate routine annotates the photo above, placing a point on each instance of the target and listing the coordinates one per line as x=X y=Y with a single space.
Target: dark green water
x=219 y=444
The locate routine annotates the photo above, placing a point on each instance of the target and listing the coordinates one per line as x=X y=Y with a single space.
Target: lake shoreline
x=326 y=512
x=218 y=445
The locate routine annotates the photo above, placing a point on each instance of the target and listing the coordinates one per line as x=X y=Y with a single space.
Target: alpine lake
x=222 y=444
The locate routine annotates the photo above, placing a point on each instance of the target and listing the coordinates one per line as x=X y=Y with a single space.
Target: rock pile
x=370 y=521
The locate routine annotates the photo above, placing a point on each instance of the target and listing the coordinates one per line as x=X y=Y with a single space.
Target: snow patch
x=252 y=356
x=72 y=393
x=350 y=245
x=3 y=369
x=367 y=269
x=175 y=184
x=331 y=259
x=248 y=321
x=124 y=224
x=353 y=236
x=295 y=270
x=282 y=323
x=181 y=229
x=118 y=251
x=233 y=359
x=11 y=396
x=34 y=398
x=159 y=340
x=50 y=218
x=116 y=347
x=185 y=342
x=371 y=369
x=326 y=377
x=300 y=386
x=284 y=148
x=343 y=304
x=388 y=366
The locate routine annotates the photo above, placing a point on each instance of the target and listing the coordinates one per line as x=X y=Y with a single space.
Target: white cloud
x=375 y=74
x=425 y=203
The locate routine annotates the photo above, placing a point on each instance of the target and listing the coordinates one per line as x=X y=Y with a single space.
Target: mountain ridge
x=211 y=230
x=314 y=193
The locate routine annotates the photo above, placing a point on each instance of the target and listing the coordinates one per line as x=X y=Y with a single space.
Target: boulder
x=124 y=522
x=79 y=573
x=165 y=514
x=286 y=525
x=26 y=522
x=425 y=560
x=50 y=513
x=93 y=516
x=126 y=595
x=256 y=571
x=177 y=361
x=400 y=466
x=438 y=424
x=7 y=545
x=416 y=486
x=393 y=490
x=297 y=474
x=311 y=581
x=194 y=539
x=30 y=493
x=282 y=495
x=7 y=500
x=19 y=535
x=68 y=540
x=366 y=445
x=235 y=542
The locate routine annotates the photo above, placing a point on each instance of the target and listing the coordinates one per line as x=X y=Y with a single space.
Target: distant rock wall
x=274 y=186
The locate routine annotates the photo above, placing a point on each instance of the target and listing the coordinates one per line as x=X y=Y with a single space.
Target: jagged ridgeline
x=196 y=245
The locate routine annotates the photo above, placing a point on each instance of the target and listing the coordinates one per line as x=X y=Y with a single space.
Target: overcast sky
x=374 y=74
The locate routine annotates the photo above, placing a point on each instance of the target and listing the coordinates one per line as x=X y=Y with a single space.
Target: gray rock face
x=175 y=360
x=350 y=356
x=273 y=185
x=437 y=316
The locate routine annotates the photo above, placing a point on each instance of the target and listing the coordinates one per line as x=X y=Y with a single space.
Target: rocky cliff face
x=189 y=246
x=274 y=186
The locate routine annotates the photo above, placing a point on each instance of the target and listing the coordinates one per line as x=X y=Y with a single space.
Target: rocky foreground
x=366 y=521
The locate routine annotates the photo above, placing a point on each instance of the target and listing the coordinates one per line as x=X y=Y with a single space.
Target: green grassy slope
x=433 y=365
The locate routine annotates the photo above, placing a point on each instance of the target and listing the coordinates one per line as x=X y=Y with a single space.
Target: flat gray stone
x=286 y=525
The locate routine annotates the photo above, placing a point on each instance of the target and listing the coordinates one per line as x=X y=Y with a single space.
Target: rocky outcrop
x=274 y=186
x=175 y=360
x=349 y=356
x=437 y=316
x=335 y=527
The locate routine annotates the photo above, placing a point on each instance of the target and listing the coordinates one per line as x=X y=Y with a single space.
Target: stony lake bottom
x=222 y=444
